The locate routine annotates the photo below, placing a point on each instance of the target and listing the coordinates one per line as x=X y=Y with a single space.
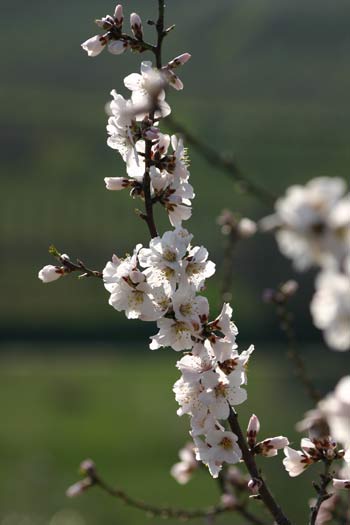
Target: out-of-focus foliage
x=268 y=82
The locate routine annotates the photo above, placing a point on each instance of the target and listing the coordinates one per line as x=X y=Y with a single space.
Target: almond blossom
x=312 y=223
x=330 y=308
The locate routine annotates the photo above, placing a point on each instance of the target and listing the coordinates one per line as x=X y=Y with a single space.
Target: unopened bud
x=252 y=430
x=117 y=47
x=136 y=26
x=88 y=467
x=179 y=61
x=116 y=183
x=118 y=16
x=270 y=446
x=289 y=288
x=254 y=485
x=246 y=228
x=341 y=484
x=94 y=45
x=50 y=273
x=78 y=488
x=229 y=501
x=268 y=295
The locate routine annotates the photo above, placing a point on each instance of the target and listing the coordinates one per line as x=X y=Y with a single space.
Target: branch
x=68 y=266
x=148 y=216
x=248 y=458
x=228 y=166
x=280 y=299
x=171 y=512
x=322 y=493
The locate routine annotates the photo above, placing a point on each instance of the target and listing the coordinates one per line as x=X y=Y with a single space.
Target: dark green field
x=268 y=82
x=60 y=405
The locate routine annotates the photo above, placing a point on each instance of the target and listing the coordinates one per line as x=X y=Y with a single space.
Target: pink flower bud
x=77 y=489
x=151 y=133
x=117 y=47
x=118 y=16
x=136 y=25
x=116 y=183
x=254 y=485
x=50 y=273
x=252 y=430
x=341 y=484
x=289 y=288
x=88 y=467
x=246 y=228
x=270 y=446
x=179 y=61
x=94 y=45
x=229 y=501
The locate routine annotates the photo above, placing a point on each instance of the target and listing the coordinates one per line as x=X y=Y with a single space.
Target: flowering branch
x=227 y=165
x=248 y=457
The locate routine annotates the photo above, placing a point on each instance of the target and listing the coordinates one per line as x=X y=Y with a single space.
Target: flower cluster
x=134 y=121
x=312 y=224
x=163 y=282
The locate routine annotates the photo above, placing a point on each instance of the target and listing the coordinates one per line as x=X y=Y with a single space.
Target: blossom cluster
x=163 y=281
x=312 y=224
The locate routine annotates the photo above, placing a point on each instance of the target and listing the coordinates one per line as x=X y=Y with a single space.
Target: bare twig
x=285 y=317
x=68 y=266
x=171 y=512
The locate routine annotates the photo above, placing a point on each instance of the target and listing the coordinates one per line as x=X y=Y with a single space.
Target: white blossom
x=312 y=223
x=144 y=86
x=122 y=130
x=295 y=461
x=330 y=308
x=173 y=333
x=190 y=308
x=220 y=391
x=219 y=446
x=183 y=470
x=197 y=268
x=335 y=407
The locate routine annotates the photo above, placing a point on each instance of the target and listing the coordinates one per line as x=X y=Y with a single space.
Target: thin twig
x=292 y=354
x=227 y=165
x=264 y=492
x=171 y=512
x=68 y=266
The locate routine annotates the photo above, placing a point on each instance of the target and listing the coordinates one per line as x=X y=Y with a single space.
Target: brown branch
x=170 y=512
x=68 y=266
x=227 y=165
x=248 y=458
x=323 y=495
x=149 y=203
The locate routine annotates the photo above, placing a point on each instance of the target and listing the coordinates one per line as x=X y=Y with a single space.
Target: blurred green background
x=269 y=83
